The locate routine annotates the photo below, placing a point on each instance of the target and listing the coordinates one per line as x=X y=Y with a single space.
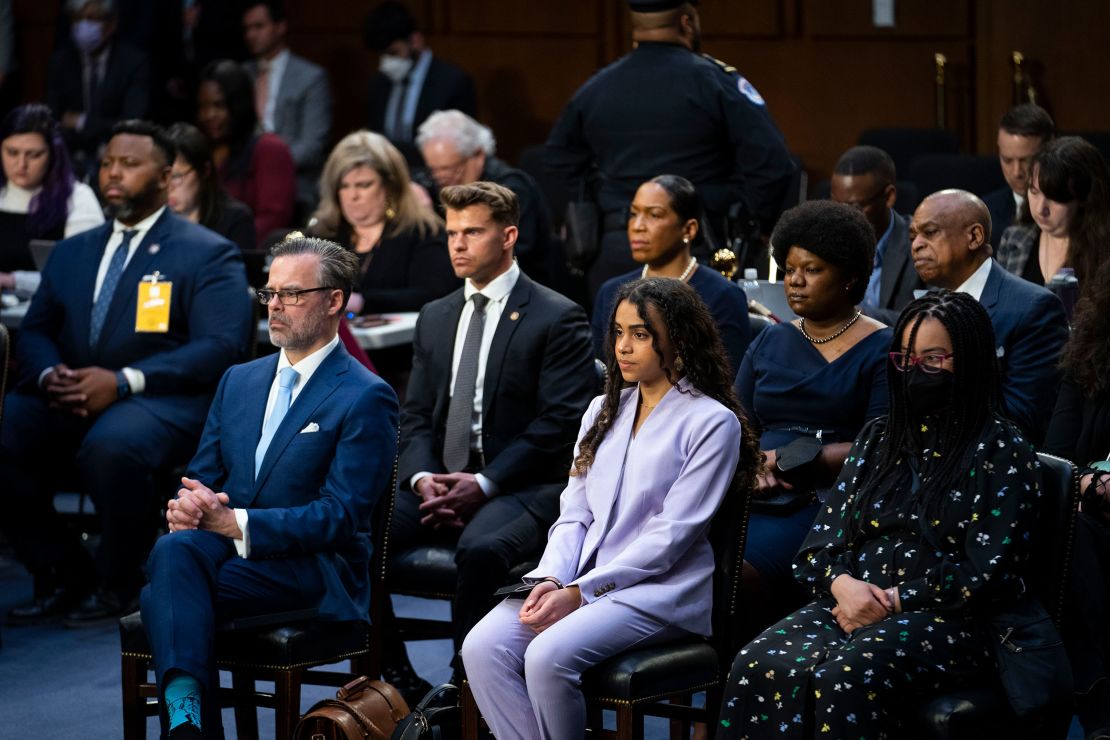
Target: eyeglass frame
x=265 y=299
x=176 y=178
x=904 y=361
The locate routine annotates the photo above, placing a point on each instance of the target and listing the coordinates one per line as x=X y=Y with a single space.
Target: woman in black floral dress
x=928 y=528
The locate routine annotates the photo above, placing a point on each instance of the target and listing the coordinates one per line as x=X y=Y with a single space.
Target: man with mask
x=96 y=81
x=665 y=107
x=119 y=354
x=410 y=83
x=950 y=240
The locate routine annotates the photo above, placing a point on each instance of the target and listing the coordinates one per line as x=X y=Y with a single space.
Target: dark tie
x=287 y=378
x=108 y=287
x=456 y=438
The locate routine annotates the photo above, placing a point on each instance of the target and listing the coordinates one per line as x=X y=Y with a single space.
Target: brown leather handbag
x=361 y=710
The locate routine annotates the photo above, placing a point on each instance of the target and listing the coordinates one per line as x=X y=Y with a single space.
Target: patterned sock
x=183 y=700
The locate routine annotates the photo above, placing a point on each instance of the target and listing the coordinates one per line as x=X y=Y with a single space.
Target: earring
x=679 y=365
x=390 y=214
x=686 y=241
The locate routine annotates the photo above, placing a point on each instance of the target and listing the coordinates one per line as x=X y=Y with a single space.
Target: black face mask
x=929 y=393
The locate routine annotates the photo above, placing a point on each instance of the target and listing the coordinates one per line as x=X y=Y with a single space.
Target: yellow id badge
x=152 y=310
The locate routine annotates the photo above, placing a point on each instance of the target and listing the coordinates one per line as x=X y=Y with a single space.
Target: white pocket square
x=310 y=428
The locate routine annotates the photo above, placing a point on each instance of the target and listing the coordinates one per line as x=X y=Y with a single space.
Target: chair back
x=758 y=323
x=728 y=534
x=976 y=174
x=1054 y=538
x=904 y=145
x=5 y=361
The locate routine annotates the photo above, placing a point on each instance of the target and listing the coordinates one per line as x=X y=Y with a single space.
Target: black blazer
x=539 y=379
x=445 y=87
x=406 y=271
x=899 y=279
x=123 y=93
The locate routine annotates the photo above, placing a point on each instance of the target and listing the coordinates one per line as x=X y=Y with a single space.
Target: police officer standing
x=667 y=108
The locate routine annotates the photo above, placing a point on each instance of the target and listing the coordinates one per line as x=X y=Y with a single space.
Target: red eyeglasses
x=931 y=363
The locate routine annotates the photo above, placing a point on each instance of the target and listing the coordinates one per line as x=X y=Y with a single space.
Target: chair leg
x=132 y=673
x=287 y=703
x=630 y=723
x=713 y=699
x=470 y=713
x=246 y=713
x=680 y=728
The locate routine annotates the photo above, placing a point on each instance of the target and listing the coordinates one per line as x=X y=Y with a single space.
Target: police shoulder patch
x=748 y=91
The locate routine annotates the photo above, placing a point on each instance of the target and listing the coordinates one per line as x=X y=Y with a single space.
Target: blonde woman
x=368 y=204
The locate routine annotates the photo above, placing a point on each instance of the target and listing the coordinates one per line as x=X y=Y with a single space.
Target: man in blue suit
x=1022 y=132
x=112 y=388
x=274 y=512
x=951 y=233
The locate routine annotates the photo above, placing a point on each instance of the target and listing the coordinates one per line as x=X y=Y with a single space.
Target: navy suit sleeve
x=565 y=385
x=36 y=347
x=1030 y=375
x=358 y=474
x=878 y=401
x=745 y=378
x=733 y=322
x=418 y=436
x=219 y=325
x=207 y=464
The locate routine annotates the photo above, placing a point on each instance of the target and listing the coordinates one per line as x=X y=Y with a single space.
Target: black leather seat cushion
x=285 y=645
x=664 y=669
x=429 y=570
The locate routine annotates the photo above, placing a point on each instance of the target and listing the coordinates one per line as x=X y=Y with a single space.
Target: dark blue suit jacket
x=1030 y=330
x=315 y=490
x=210 y=316
x=1003 y=211
x=539 y=380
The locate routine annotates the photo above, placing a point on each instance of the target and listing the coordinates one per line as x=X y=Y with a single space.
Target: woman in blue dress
x=810 y=385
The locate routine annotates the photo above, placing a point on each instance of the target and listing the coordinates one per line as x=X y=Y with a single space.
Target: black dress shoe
x=102 y=608
x=409 y=685
x=45 y=608
x=186 y=731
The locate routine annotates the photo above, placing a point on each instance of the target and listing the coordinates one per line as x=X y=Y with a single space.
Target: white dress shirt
x=974 y=285
x=273 y=84
x=305 y=368
x=497 y=291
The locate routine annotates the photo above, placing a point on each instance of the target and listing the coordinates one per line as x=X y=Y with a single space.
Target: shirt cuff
x=135 y=379
x=243 y=546
x=416 y=477
x=81 y=121
x=488 y=487
x=43 y=374
x=26 y=282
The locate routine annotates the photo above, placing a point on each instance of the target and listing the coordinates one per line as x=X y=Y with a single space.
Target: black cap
x=654 y=6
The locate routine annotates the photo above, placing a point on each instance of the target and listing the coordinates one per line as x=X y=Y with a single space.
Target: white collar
x=974 y=285
x=308 y=365
x=497 y=289
x=143 y=225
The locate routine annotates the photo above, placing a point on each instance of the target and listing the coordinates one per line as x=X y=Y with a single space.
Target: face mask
x=394 y=67
x=88 y=35
x=928 y=392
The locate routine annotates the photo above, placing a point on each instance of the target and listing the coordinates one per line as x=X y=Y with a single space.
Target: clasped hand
x=449 y=499
x=198 y=507
x=770 y=479
x=547 y=604
x=859 y=603
x=83 y=392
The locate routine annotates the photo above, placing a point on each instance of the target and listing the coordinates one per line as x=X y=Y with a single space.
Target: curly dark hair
x=1087 y=353
x=835 y=232
x=1071 y=169
x=974 y=404
x=693 y=334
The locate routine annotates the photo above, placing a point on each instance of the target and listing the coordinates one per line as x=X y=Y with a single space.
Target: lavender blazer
x=641 y=513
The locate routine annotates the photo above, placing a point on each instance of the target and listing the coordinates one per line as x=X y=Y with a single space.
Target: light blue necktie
x=108 y=287
x=287 y=378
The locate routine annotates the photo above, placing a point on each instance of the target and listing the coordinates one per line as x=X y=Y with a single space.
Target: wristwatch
x=123 y=387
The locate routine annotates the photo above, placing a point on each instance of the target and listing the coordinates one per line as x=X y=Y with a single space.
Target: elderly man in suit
x=410 y=84
x=291 y=95
x=950 y=234
x=274 y=510
x=502 y=372
x=864 y=178
x=97 y=80
x=119 y=353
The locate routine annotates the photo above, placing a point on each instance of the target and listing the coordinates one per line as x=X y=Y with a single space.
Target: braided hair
x=693 y=334
x=972 y=406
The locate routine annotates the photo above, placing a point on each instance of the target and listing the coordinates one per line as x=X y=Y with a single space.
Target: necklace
x=685 y=273
x=835 y=334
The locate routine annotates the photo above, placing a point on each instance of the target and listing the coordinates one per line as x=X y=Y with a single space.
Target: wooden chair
x=286 y=648
x=984 y=711
x=661 y=681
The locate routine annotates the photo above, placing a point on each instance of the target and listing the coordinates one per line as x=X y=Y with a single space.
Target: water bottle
x=1066 y=287
x=750 y=283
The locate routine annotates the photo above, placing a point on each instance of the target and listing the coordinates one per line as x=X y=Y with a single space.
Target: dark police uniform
x=663 y=109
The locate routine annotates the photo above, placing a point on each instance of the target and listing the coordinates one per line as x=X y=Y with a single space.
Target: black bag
x=436 y=717
x=1032 y=664
x=583 y=231
x=794 y=456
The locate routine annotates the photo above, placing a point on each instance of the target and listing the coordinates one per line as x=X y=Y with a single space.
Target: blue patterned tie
x=287 y=378
x=108 y=287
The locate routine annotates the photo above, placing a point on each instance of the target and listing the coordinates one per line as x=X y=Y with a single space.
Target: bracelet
x=553 y=579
